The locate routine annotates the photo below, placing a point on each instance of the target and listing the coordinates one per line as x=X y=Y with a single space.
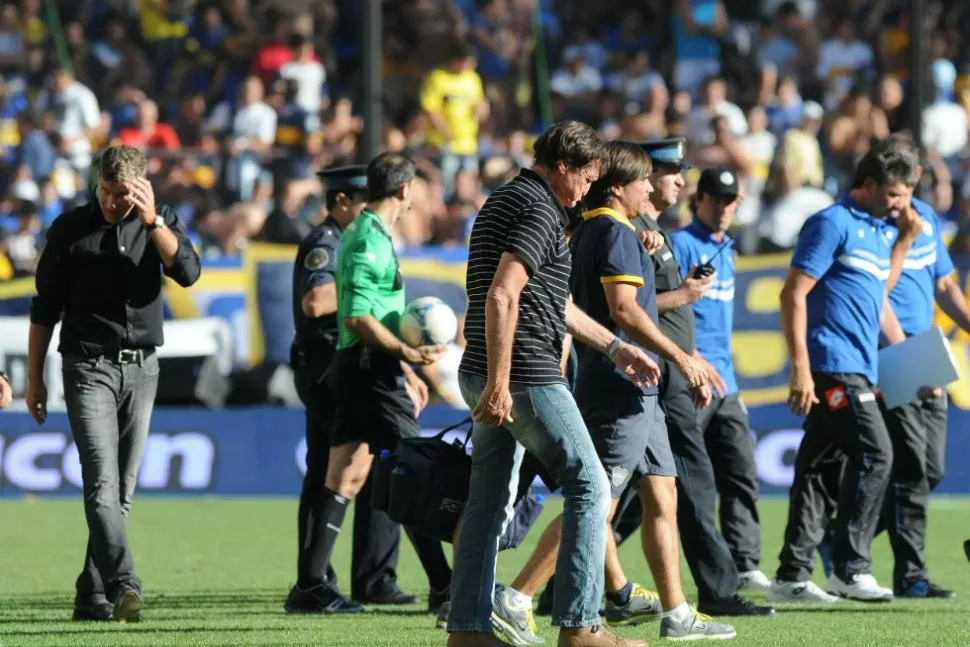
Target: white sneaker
x=862 y=587
x=799 y=592
x=755 y=581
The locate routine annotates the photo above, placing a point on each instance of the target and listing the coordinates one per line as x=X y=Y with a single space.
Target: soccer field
x=216 y=572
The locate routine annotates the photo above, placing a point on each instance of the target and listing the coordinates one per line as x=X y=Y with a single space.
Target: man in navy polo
x=833 y=305
x=704 y=243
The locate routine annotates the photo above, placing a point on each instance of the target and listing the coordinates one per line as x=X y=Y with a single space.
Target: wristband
x=614 y=347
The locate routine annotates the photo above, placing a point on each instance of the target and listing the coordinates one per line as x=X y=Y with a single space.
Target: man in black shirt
x=102 y=270
x=511 y=376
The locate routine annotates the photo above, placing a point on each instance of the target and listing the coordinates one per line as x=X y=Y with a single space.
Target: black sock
x=622 y=597
x=325 y=530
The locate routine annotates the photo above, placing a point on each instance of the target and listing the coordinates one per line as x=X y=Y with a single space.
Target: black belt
x=129 y=355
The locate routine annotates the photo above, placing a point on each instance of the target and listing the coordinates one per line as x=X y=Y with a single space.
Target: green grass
x=216 y=572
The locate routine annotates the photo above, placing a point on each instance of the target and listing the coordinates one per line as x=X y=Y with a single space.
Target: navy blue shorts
x=630 y=436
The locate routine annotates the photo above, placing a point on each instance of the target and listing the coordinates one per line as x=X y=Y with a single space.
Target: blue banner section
x=260 y=451
x=253 y=293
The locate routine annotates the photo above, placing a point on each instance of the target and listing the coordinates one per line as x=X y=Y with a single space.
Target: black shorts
x=372 y=403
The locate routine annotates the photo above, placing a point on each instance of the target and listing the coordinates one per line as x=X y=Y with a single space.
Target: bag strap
x=466 y=421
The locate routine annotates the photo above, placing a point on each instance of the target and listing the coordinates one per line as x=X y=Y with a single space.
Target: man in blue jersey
x=918 y=428
x=833 y=305
x=704 y=243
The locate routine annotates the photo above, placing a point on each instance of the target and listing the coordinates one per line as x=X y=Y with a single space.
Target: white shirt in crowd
x=311 y=77
x=76 y=111
x=255 y=121
x=760 y=149
x=945 y=128
x=699 y=129
x=585 y=81
x=838 y=64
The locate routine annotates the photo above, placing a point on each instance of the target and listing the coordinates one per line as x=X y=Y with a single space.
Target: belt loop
x=141 y=357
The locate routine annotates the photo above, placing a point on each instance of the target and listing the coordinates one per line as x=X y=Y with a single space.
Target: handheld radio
x=707 y=269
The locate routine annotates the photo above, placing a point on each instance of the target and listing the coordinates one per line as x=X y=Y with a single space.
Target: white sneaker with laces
x=755 y=581
x=799 y=592
x=862 y=587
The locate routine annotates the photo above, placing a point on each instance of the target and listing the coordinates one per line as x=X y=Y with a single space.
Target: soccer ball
x=428 y=321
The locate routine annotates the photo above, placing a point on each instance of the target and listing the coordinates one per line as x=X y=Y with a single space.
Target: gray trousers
x=109 y=406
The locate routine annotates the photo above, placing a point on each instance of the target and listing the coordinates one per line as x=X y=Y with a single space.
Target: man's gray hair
x=122 y=164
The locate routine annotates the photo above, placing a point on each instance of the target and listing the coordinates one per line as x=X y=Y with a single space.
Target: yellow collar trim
x=612 y=213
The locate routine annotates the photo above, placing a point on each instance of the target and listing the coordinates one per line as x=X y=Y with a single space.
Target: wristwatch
x=614 y=347
x=158 y=224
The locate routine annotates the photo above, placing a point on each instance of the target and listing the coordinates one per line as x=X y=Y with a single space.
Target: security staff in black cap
x=376 y=537
x=705 y=550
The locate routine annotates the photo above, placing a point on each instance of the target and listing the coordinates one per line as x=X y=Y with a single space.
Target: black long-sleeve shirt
x=106 y=280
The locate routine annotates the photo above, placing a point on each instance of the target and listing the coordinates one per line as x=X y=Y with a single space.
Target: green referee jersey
x=369 y=280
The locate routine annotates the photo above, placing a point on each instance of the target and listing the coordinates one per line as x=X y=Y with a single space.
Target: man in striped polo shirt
x=518 y=314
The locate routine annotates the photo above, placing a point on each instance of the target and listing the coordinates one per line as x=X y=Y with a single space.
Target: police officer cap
x=718 y=182
x=667 y=151
x=348 y=179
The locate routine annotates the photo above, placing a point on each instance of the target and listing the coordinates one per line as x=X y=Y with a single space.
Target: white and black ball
x=428 y=321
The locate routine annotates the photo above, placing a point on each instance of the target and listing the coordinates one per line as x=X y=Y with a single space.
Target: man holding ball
x=368 y=375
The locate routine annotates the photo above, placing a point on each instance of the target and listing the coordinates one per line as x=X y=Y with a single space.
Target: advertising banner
x=260 y=451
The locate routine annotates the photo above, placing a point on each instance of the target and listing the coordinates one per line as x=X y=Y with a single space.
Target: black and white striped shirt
x=524 y=218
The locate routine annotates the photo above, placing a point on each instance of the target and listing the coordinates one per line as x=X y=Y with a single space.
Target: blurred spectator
x=759 y=146
x=453 y=99
x=841 y=61
x=22 y=245
x=12 y=47
x=697 y=26
x=148 y=132
x=946 y=123
x=713 y=103
x=799 y=162
x=35 y=151
x=74 y=110
x=636 y=79
x=249 y=129
x=309 y=74
x=578 y=83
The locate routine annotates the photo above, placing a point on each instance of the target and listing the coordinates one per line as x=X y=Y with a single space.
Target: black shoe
x=544 y=605
x=319 y=599
x=93 y=611
x=734 y=606
x=923 y=589
x=437 y=598
x=966 y=548
x=390 y=595
x=128 y=606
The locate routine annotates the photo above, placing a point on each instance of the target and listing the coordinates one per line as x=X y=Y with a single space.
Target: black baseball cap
x=670 y=152
x=347 y=179
x=718 y=182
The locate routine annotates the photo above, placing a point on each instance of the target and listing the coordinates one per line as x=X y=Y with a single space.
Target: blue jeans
x=547 y=423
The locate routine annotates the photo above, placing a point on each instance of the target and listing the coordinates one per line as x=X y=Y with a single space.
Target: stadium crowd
x=238 y=102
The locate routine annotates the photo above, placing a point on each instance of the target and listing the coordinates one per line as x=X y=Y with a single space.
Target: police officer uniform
x=376 y=539
x=847 y=251
x=706 y=552
x=725 y=421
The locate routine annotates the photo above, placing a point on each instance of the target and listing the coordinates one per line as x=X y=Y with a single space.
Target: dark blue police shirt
x=316 y=264
x=927 y=262
x=606 y=249
x=847 y=251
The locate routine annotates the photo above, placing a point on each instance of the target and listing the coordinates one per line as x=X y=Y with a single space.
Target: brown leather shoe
x=474 y=639
x=595 y=637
